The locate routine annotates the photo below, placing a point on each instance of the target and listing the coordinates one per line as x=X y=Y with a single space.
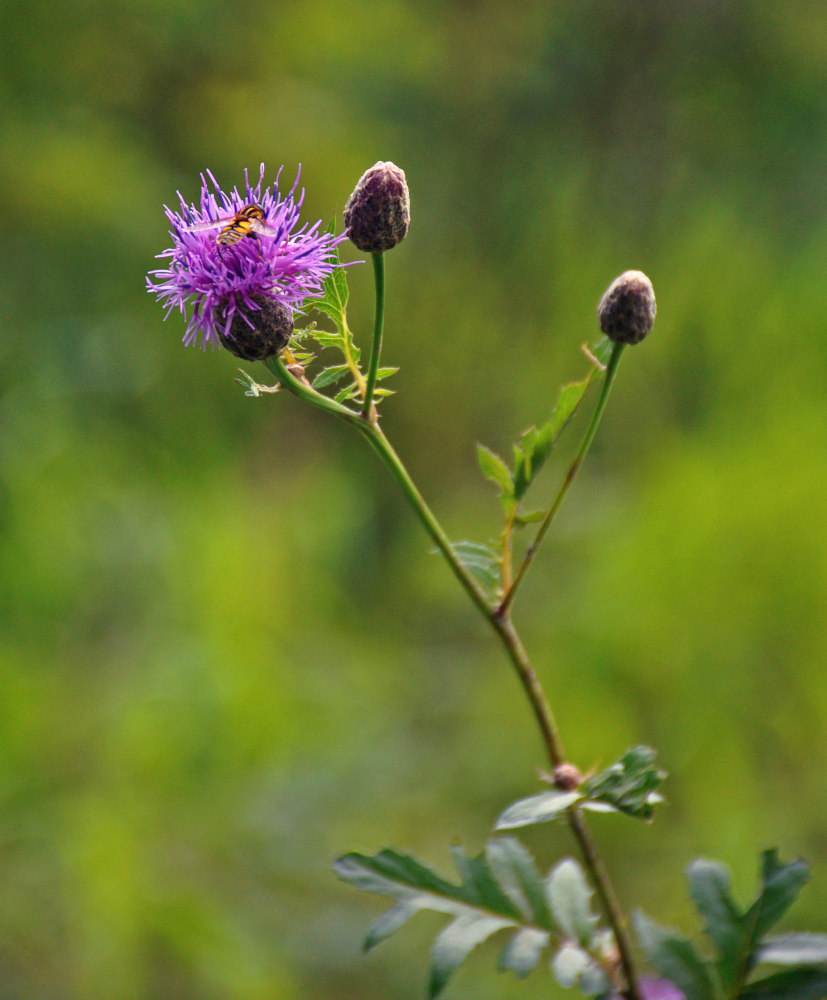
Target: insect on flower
x=247 y=221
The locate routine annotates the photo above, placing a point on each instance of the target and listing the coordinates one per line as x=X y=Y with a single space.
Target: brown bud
x=567 y=777
x=627 y=309
x=378 y=213
x=257 y=334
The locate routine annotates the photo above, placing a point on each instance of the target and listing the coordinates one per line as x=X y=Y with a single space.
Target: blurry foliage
x=226 y=653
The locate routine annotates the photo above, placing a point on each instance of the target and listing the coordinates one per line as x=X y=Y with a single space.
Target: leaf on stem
x=499 y=889
x=482 y=562
x=628 y=786
x=495 y=469
x=675 y=957
x=791 y=984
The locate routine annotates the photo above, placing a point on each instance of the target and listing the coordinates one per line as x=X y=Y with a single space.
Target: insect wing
x=262 y=228
x=200 y=227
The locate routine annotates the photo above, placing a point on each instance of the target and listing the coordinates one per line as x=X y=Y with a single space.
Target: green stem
x=585 y=444
x=500 y=622
x=378 y=327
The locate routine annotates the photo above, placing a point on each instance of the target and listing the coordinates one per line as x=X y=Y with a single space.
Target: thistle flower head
x=220 y=273
x=627 y=309
x=378 y=212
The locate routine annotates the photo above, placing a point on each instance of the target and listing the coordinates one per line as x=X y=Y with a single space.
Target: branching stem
x=499 y=619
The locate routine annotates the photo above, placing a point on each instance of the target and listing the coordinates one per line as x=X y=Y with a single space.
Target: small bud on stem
x=378 y=213
x=627 y=309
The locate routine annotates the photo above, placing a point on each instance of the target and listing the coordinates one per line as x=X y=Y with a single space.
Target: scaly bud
x=567 y=777
x=257 y=334
x=378 y=213
x=627 y=309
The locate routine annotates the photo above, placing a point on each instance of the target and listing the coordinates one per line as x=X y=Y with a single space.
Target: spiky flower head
x=627 y=309
x=250 y=280
x=378 y=212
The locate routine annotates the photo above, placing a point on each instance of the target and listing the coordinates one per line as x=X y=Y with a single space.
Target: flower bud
x=257 y=334
x=378 y=213
x=627 y=309
x=567 y=777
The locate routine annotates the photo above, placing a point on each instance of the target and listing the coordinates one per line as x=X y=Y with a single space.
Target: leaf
x=498 y=889
x=538 y=808
x=794 y=949
x=513 y=867
x=710 y=884
x=791 y=984
x=572 y=966
x=629 y=784
x=495 y=469
x=675 y=958
x=333 y=299
x=523 y=951
x=529 y=517
x=386 y=372
x=454 y=943
x=780 y=886
x=570 y=898
x=482 y=562
x=530 y=455
x=327 y=376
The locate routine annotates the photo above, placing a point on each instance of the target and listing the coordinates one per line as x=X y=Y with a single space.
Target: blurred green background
x=226 y=653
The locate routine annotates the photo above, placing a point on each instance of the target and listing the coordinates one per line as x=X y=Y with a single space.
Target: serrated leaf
x=388 y=922
x=513 y=866
x=454 y=943
x=500 y=888
x=523 y=951
x=570 y=898
x=710 y=885
x=530 y=456
x=629 y=784
x=327 y=376
x=349 y=392
x=538 y=808
x=675 y=958
x=495 y=469
x=794 y=949
x=791 y=984
x=780 y=886
x=482 y=562
x=574 y=967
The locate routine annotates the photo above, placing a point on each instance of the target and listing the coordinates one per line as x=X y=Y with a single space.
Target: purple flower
x=265 y=256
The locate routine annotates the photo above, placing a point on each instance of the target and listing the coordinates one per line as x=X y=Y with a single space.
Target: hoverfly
x=247 y=221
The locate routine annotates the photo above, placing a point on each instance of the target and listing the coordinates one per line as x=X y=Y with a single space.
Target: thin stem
x=499 y=620
x=588 y=437
x=378 y=327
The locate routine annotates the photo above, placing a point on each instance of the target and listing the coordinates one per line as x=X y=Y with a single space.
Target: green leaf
x=482 y=562
x=710 y=885
x=791 y=984
x=495 y=469
x=454 y=943
x=523 y=951
x=538 y=808
x=386 y=372
x=572 y=966
x=675 y=958
x=530 y=455
x=780 y=886
x=629 y=784
x=327 y=376
x=513 y=867
x=498 y=889
x=529 y=517
x=794 y=949
x=570 y=898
